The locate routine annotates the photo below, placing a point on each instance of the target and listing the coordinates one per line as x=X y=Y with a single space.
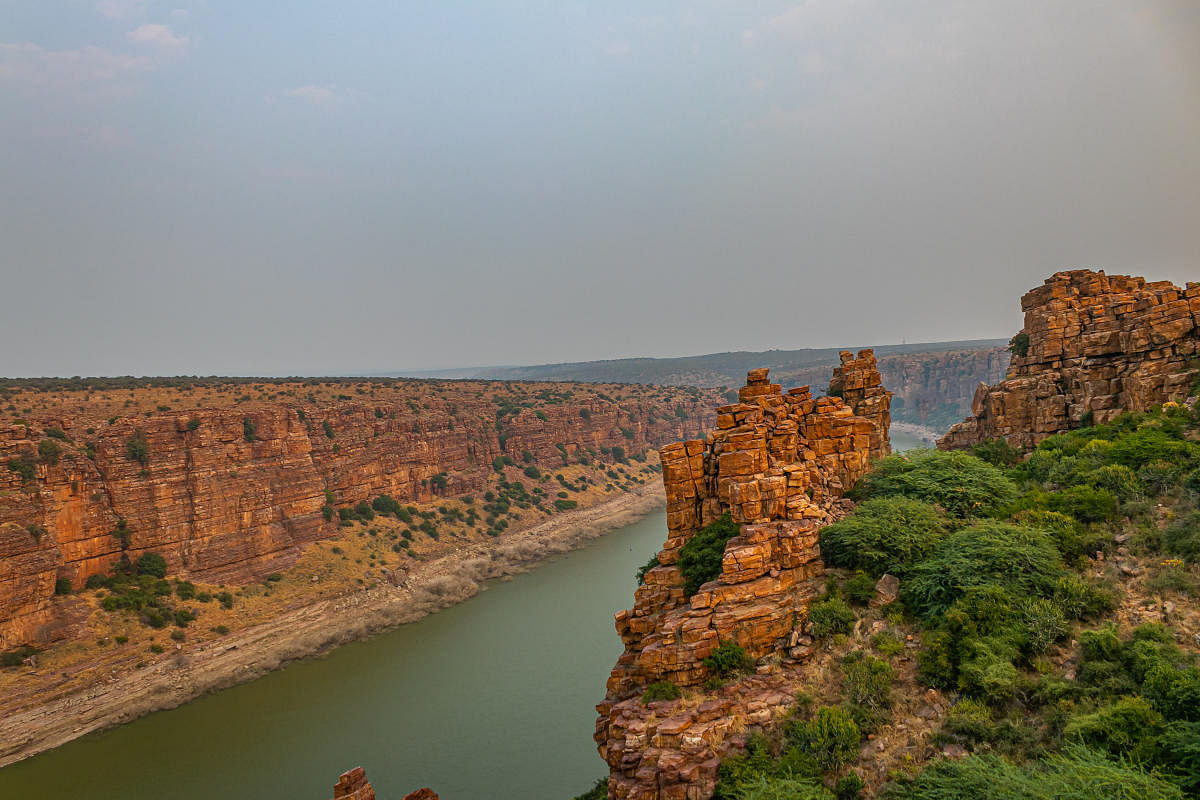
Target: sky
x=269 y=188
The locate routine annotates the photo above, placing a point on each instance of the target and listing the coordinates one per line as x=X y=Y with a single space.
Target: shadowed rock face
x=223 y=509
x=778 y=464
x=1097 y=345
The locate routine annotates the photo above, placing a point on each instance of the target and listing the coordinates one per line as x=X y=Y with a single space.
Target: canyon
x=777 y=464
x=1093 y=346
x=234 y=490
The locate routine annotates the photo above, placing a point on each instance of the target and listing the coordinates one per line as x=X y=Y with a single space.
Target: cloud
x=159 y=36
x=27 y=64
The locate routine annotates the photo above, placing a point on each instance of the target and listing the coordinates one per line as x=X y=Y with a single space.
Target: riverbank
x=308 y=630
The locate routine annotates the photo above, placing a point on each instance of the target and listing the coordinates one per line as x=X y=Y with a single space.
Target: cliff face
x=1097 y=345
x=230 y=495
x=778 y=465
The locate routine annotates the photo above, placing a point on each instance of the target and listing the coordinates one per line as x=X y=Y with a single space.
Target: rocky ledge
x=1093 y=346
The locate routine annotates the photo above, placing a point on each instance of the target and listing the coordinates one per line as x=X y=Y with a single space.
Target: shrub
x=185 y=590
x=859 y=589
x=700 y=558
x=1085 y=503
x=831 y=737
x=48 y=451
x=644 y=568
x=152 y=564
x=883 y=535
x=661 y=690
x=225 y=599
x=532 y=472
x=62 y=586
x=783 y=787
x=1128 y=727
x=1044 y=623
x=729 y=659
x=327 y=426
x=997 y=452
x=867 y=684
x=1179 y=748
x=1182 y=538
x=565 y=505
x=249 y=429
x=829 y=617
x=1079 y=599
x=1018 y=345
x=23 y=465
x=598 y=792
x=137 y=447
x=1020 y=559
x=960 y=483
x=1078 y=774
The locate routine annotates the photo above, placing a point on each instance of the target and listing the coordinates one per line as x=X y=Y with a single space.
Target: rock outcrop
x=777 y=464
x=353 y=785
x=230 y=495
x=1093 y=346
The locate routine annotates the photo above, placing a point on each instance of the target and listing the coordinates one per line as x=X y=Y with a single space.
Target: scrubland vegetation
x=1048 y=599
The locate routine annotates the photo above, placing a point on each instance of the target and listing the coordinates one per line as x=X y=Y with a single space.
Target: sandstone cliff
x=778 y=465
x=1093 y=346
x=229 y=495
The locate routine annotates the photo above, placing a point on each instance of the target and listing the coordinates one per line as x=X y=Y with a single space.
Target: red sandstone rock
x=1099 y=345
x=222 y=509
x=778 y=465
x=353 y=785
x=422 y=794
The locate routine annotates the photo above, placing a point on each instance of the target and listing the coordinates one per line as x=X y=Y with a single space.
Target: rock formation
x=353 y=785
x=230 y=495
x=777 y=464
x=1093 y=346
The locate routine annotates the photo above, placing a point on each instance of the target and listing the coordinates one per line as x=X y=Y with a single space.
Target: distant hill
x=933 y=381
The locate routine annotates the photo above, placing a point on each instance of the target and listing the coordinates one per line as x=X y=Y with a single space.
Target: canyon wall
x=230 y=495
x=931 y=389
x=1093 y=346
x=778 y=465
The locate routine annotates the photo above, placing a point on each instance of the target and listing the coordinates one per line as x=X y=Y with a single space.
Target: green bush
x=23 y=464
x=997 y=452
x=728 y=660
x=867 y=686
x=700 y=558
x=780 y=787
x=1127 y=728
x=1182 y=537
x=1020 y=559
x=1044 y=623
x=249 y=429
x=62 y=586
x=1077 y=774
x=644 y=568
x=661 y=690
x=1160 y=477
x=831 y=737
x=883 y=535
x=1084 y=503
x=598 y=792
x=137 y=447
x=830 y=617
x=1179 y=750
x=152 y=564
x=1079 y=599
x=1018 y=345
x=49 y=451
x=859 y=589
x=962 y=484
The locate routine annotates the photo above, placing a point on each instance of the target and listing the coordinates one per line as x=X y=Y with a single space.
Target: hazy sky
x=261 y=188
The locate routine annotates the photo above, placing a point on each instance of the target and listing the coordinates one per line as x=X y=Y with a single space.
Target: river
x=492 y=698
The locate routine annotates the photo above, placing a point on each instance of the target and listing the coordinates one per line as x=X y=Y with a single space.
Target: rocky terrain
x=777 y=465
x=1093 y=346
x=229 y=482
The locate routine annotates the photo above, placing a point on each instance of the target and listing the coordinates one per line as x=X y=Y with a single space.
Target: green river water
x=492 y=698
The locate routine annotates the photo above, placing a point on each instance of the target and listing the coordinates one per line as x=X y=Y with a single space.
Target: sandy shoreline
x=310 y=630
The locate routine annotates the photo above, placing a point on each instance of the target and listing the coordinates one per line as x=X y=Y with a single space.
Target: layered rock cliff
x=229 y=495
x=777 y=464
x=1093 y=346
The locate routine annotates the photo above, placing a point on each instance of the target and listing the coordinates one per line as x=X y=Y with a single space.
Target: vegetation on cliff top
x=1011 y=572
